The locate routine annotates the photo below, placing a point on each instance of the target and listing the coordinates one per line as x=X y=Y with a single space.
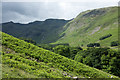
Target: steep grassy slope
x=91 y=25
x=41 y=31
x=43 y=63
x=20 y=65
x=10 y=72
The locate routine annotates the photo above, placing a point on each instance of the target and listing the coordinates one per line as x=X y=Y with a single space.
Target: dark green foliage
x=62 y=35
x=66 y=51
x=93 y=45
x=41 y=31
x=74 y=51
x=114 y=43
x=104 y=37
x=101 y=58
x=45 y=46
x=30 y=51
x=62 y=50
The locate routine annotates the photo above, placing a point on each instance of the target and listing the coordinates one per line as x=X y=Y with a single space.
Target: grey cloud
x=16 y=11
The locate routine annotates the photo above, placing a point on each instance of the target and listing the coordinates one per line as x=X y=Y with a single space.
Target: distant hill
x=25 y=60
x=41 y=31
x=92 y=26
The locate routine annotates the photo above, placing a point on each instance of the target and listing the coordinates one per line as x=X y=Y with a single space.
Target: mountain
x=21 y=59
x=41 y=31
x=92 y=26
x=25 y=60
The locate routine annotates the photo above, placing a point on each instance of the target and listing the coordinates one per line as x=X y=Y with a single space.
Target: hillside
x=19 y=57
x=41 y=31
x=90 y=26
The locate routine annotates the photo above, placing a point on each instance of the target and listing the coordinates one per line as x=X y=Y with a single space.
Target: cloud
x=25 y=12
x=20 y=12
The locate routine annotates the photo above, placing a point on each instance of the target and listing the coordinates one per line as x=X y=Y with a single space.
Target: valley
x=83 y=47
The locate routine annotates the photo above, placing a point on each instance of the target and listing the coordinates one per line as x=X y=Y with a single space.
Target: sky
x=25 y=11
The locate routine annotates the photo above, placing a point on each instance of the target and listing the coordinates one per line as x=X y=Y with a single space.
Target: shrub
x=93 y=45
x=114 y=43
x=104 y=37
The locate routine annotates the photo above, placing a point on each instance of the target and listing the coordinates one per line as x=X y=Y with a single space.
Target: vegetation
x=51 y=46
x=29 y=40
x=38 y=61
x=114 y=43
x=93 y=45
x=62 y=49
x=41 y=31
x=104 y=59
x=29 y=66
x=104 y=37
x=11 y=72
x=79 y=49
x=67 y=51
x=90 y=26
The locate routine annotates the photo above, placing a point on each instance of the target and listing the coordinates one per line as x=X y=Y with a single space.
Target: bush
x=104 y=37
x=67 y=51
x=93 y=45
x=114 y=43
x=62 y=50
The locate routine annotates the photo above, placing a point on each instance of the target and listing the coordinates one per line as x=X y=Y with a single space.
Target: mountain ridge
x=41 y=31
x=91 y=25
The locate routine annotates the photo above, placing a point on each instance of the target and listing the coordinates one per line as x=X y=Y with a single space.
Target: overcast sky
x=31 y=10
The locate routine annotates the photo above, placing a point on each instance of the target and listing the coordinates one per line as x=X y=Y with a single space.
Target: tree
x=106 y=36
x=114 y=43
x=62 y=50
x=104 y=59
x=93 y=45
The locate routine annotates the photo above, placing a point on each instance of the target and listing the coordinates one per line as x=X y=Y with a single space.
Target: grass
x=84 y=29
x=10 y=72
x=43 y=63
